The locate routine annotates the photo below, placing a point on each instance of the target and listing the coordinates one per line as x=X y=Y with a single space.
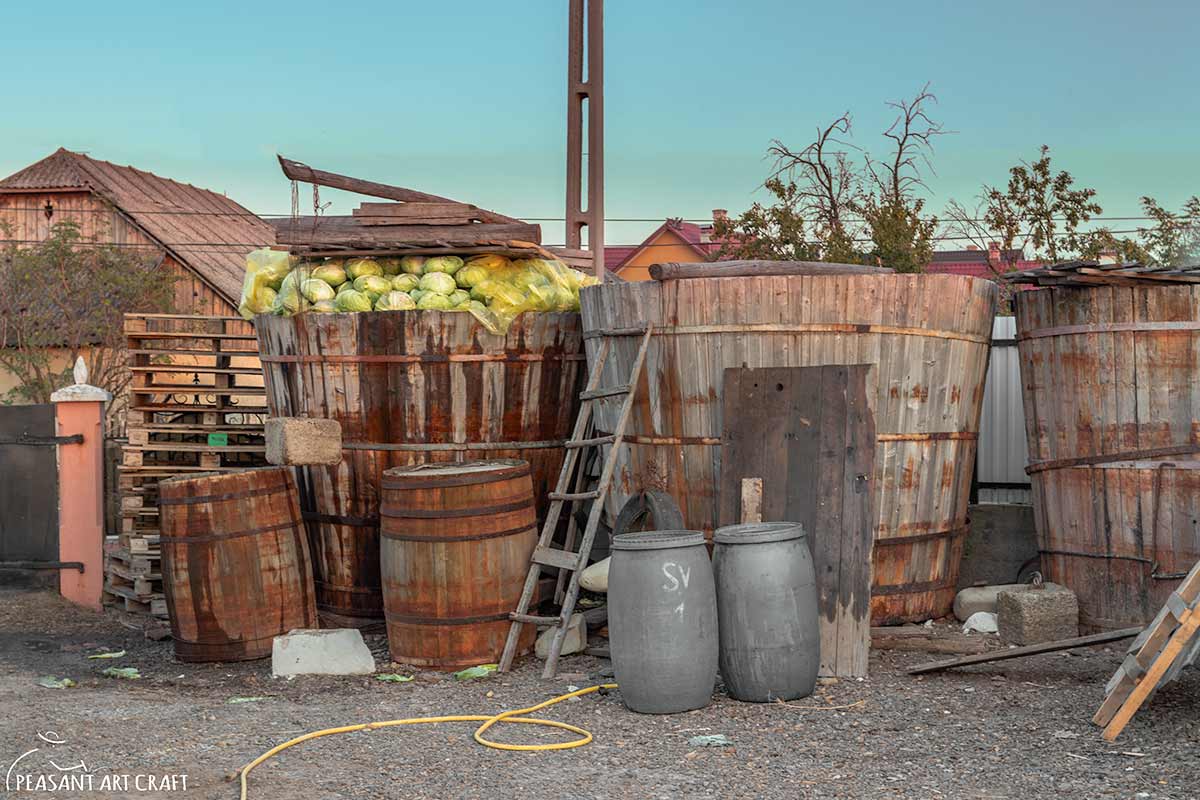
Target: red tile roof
x=205 y=231
x=694 y=235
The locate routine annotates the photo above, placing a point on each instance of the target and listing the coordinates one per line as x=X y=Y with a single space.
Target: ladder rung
x=590 y=442
x=610 y=391
x=549 y=557
x=534 y=619
x=574 y=495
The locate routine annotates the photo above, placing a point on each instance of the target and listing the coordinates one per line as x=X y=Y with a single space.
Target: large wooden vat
x=456 y=544
x=235 y=561
x=929 y=336
x=1111 y=379
x=409 y=388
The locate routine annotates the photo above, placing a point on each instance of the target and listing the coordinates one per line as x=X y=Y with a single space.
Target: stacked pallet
x=196 y=404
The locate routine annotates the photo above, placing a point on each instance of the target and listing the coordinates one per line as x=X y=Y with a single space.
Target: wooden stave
x=962 y=304
x=196 y=638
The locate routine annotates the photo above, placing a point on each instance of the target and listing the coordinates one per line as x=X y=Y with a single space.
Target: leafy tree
x=1174 y=240
x=67 y=296
x=1101 y=241
x=772 y=233
x=1039 y=209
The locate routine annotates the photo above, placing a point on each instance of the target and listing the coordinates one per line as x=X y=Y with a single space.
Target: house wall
x=97 y=220
x=667 y=246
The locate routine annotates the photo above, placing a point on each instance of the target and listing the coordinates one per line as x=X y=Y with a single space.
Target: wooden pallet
x=133 y=575
x=1157 y=655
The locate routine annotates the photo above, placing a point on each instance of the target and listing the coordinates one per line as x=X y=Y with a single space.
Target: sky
x=468 y=99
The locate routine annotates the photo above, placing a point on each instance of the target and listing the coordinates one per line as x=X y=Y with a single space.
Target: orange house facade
x=674 y=240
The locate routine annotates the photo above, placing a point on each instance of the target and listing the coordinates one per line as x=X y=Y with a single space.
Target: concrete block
x=974 y=599
x=336 y=651
x=297 y=441
x=575 y=641
x=1029 y=616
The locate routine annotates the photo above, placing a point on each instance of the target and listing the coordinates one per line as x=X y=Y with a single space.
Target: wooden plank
x=383 y=222
x=751 y=508
x=348 y=232
x=391 y=213
x=740 y=269
x=1028 y=650
x=298 y=171
x=808 y=433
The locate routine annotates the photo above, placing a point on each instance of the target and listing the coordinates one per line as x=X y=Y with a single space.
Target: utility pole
x=585 y=89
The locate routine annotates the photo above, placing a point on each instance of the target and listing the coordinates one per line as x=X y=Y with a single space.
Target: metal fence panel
x=1003 y=451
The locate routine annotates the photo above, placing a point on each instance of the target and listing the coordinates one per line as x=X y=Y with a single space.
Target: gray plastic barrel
x=662 y=621
x=767 y=606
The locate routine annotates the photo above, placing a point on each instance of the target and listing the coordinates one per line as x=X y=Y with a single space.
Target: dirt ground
x=1016 y=729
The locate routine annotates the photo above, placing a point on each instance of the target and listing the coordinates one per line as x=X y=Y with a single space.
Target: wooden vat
x=409 y=388
x=456 y=542
x=235 y=563
x=1111 y=411
x=929 y=337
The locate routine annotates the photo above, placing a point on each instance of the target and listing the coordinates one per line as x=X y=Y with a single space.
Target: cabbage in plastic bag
x=266 y=270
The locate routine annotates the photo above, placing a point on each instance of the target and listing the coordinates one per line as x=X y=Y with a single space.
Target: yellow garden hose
x=488 y=722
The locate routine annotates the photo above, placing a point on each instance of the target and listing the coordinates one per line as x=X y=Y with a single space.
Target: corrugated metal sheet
x=1003 y=450
x=208 y=232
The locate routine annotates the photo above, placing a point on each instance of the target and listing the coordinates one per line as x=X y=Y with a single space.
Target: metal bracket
x=45 y=441
x=42 y=565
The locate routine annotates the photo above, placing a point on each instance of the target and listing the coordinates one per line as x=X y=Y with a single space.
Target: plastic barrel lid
x=759 y=533
x=656 y=540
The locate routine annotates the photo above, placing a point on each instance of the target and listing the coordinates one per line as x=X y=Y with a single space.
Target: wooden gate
x=28 y=487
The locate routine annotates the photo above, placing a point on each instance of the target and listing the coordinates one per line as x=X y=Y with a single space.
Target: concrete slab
x=300 y=441
x=337 y=651
x=1031 y=616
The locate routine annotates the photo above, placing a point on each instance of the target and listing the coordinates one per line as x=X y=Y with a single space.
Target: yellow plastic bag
x=266 y=270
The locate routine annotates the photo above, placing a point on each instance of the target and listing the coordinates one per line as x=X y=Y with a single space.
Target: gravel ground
x=1015 y=729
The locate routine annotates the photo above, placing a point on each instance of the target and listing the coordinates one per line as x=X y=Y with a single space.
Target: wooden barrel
x=456 y=544
x=929 y=337
x=410 y=388
x=1111 y=378
x=235 y=561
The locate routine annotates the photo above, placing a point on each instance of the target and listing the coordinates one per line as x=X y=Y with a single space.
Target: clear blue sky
x=467 y=99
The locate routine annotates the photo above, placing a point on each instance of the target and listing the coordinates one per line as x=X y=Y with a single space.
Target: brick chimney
x=994 y=253
x=720 y=213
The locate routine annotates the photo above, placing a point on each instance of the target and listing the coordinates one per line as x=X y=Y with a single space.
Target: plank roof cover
x=207 y=232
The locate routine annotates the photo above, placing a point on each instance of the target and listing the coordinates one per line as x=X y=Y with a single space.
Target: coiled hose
x=516 y=716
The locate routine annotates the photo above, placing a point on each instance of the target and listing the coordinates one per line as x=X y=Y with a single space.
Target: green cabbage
x=458 y=297
x=352 y=300
x=484 y=290
x=446 y=264
x=333 y=274
x=316 y=290
x=405 y=282
x=391 y=266
x=395 y=301
x=438 y=282
x=324 y=307
x=413 y=265
x=470 y=275
x=417 y=294
x=432 y=300
x=374 y=286
x=360 y=267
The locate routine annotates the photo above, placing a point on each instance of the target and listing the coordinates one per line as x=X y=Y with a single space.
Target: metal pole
x=586 y=88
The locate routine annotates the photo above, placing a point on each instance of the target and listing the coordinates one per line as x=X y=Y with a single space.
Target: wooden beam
x=347 y=232
x=297 y=171
x=1028 y=650
x=419 y=210
x=741 y=269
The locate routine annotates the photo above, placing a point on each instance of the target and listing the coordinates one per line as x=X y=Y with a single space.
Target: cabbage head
x=352 y=300
x=316 y=290
x=433 y=300
x=484 y=290
x=333 y=274
x=405 y=282
x=438 y=282
x=374 y=286
x=324 y=307
x=417 y=294
x=470 y=275
x=360 y=267
x=458 y=297
x=446 y=264
x=489 y=261
x=391 y=266
x=412 y=265
x=528 y=278
x=395 y=301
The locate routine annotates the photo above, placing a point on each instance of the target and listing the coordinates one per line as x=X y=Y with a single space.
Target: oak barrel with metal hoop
x=235 y=561
x=456 y=544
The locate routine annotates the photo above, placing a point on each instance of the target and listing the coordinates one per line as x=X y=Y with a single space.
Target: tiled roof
x=208 y=232
x=979 y=256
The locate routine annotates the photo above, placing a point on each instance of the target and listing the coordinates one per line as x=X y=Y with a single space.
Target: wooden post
x=79 y=409
x=587 y=87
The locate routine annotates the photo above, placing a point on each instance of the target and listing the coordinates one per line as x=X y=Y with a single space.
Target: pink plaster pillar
x=79 y=409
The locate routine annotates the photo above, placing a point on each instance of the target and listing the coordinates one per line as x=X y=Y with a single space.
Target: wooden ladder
x=569 y=561
x=1165 y=647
